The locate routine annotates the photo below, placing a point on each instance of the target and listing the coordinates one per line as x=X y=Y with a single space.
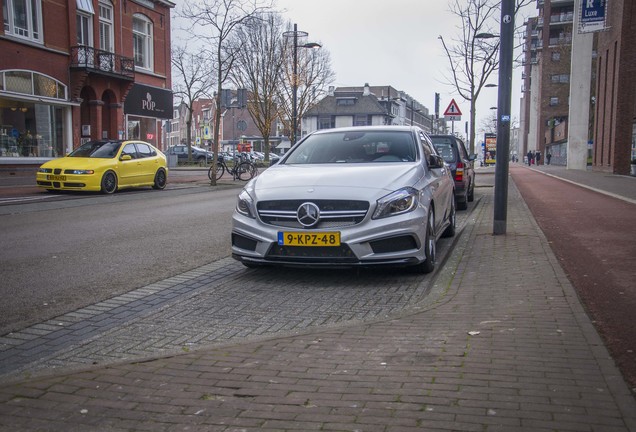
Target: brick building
x=76 y=70
x=579 y=100
x=546 y=76
x=615 y=114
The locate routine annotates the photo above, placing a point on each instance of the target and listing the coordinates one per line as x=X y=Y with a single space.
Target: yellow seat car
x=106 y=166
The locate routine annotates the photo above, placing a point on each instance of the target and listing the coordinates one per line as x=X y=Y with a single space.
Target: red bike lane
x=594 y=237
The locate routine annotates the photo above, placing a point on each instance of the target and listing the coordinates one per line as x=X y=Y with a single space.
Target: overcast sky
x=393 y=43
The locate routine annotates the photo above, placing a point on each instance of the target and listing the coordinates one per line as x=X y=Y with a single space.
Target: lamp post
x=503 y=116
x=295 y=34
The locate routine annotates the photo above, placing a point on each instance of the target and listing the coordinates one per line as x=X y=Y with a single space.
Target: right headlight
x=399 y=202
x=245 y=205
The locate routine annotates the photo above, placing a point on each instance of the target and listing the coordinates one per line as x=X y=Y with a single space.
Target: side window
x=130 y=150
x=462 y=149
x=144 y=150
x=427 y=147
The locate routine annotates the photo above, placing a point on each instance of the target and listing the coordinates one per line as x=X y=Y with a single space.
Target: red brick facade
x=616 y=90
x=97 y=81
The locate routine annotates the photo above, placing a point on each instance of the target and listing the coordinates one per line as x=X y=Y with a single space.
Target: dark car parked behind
x=454 y=153
x=199 y=155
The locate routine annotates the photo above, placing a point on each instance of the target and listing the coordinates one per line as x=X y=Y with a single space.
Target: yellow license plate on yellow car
x=56 y=177
x=304 y=238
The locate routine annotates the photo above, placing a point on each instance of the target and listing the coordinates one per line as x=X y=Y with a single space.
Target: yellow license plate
x=304 y=238
x=56 y=177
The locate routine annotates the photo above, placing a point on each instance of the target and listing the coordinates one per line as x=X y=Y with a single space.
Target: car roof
x=384 y=128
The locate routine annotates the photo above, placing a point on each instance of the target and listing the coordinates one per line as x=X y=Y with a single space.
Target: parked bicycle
x=243 y=170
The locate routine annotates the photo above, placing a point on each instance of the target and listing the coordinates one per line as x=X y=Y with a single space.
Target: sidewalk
x=502 y=343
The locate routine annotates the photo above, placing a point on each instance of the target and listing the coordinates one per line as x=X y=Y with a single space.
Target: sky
x=393 y=43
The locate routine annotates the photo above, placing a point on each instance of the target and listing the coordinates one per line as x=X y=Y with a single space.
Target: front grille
x=331 y=254
x=57 y=171
x=333 y=213
x=74 y=185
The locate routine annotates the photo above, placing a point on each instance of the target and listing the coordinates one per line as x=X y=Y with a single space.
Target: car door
x=129 y=168
x=147 y=163
x=442 y=183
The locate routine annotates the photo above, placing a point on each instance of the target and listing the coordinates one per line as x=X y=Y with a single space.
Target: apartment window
x=106 y=42
x=84 y=29
x=556 y=56
x=560 y=78
x=554 y=101
x=23 y=18
x=325 y=123
x=142 y=42
x=360 y=120
x=345 y=101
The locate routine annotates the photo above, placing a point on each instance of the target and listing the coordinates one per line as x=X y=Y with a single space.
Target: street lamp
x=295 y=34
x=503 y=115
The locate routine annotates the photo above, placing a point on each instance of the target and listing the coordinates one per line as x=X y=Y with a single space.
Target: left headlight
x=245 y=205
x=399 y=202
x=79 y=172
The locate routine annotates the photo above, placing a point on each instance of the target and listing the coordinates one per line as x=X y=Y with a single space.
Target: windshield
x=444 y=147
x=97 y=149
x=355 y=147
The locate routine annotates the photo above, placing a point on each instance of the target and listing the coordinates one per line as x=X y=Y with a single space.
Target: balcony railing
x=98 y=60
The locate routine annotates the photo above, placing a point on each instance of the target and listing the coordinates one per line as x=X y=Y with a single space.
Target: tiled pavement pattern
x=216 y=303
x=502 y=344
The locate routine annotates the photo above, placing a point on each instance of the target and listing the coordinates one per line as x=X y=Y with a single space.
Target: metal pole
x=295 y=88
x=503 y=116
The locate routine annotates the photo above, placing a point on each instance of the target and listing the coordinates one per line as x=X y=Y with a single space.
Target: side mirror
x=125 y=157
x=472 y=157
x=435 y=161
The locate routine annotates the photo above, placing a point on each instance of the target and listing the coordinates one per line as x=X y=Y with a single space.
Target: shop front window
x=30 y=130
x=143 y=128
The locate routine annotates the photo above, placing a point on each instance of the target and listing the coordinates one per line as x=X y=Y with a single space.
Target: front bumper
x=392 y=241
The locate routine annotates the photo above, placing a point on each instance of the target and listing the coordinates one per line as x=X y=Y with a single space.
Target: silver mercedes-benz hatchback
x=345 y=197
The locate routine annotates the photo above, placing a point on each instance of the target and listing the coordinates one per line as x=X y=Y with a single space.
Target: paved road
x=484 y=349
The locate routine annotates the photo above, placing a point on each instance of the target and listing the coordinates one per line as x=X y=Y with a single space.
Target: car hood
x=78 y=163
x=334 y=181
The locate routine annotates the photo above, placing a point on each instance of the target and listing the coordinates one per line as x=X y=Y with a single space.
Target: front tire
x=109 y=183
x=161 y=179
x=245 y=171
x=220 y=170
x=429 y=243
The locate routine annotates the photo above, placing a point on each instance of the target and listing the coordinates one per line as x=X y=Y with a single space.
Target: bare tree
x=217 y=20
x=474 y=54
x=314 y=77
x=259 y=63
x=194 y=79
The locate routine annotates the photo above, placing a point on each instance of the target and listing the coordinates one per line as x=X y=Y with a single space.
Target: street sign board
x=453 y=109
x=452 y=112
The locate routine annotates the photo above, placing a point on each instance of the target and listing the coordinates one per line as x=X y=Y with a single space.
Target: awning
x=86 y=6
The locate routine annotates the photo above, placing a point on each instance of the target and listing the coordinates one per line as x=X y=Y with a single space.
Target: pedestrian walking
x=537 y=158
x=548 y=157
x=530 y=157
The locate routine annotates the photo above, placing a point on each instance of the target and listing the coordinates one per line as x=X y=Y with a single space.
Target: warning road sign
x=453 y=109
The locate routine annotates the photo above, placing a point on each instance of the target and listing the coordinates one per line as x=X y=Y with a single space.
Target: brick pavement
x=502 y=344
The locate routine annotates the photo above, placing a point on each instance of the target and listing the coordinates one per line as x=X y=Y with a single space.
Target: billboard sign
x=592 y=16
x=490 y=148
